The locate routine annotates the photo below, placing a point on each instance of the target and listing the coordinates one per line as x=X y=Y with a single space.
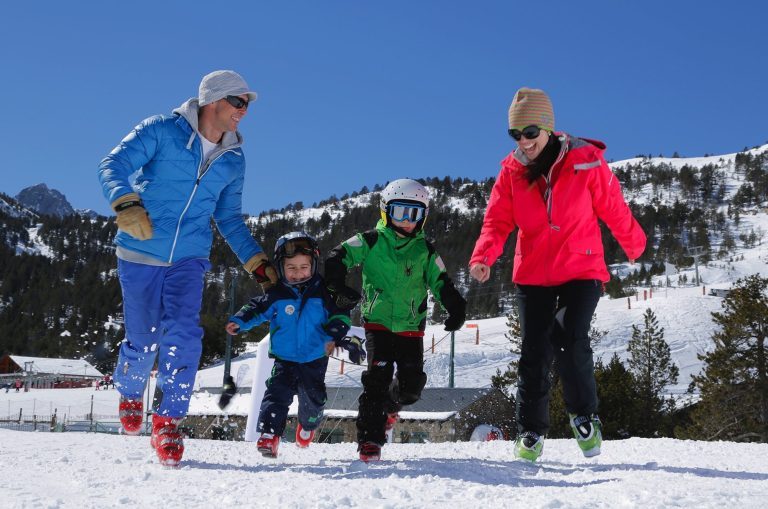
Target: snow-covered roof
x=433 y=399
x=45 y=365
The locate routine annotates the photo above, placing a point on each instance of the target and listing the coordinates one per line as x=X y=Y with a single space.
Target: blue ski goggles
x=406 y=212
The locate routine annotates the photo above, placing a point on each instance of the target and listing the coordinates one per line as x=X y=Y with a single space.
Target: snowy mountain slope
x=63 y=470
x=724 y=161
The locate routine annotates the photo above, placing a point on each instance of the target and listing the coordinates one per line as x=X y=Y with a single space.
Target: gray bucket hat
x=219 y=84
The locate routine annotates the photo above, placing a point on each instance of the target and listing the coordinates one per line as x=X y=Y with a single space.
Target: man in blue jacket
x=165 y=181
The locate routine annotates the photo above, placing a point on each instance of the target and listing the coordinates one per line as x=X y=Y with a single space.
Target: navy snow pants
x=162 y=322
x=307 y=379
x=555 y=322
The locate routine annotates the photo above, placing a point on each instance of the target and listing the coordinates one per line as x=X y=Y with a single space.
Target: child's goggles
x=405 y=212
x=292 y=248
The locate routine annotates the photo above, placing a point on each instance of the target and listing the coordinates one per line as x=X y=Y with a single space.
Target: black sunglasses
x=237 y=102
x=531 y=132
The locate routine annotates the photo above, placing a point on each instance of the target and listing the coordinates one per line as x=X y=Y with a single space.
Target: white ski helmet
x=405 y=191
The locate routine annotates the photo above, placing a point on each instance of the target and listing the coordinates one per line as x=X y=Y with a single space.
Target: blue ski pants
x=162 y=322
x=307 y=379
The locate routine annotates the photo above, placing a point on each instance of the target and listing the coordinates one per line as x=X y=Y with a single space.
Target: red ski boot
x=267 y=445
x=166 y=440
x=304 y=437
x=131 y=413
x=369 y=451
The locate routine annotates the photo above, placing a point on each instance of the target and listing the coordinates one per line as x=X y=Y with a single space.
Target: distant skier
x=305 y=325
x=554 y=187
x=399 y=266
x=166 y=180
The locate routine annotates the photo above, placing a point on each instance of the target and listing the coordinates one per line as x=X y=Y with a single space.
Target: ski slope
x=76 y=470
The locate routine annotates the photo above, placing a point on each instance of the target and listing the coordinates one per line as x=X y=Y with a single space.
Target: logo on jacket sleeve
x=289 y=309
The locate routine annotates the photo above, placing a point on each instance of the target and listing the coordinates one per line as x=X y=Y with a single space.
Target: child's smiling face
x=297 y=268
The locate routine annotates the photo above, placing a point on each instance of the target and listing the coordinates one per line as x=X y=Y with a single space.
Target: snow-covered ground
x=74 y=470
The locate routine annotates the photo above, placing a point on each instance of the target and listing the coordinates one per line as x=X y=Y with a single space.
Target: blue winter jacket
x=300 y=323
x=161 y=160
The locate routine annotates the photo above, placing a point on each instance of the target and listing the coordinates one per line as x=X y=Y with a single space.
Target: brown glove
x=262 y=270
x=132 y=218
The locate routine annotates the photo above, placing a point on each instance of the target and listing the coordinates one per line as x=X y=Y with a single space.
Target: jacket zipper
x=202 y=169
x=373 y=301
x=549 y=200
x=550 y=186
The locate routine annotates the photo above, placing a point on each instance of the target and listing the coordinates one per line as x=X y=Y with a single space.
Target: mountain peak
x=44 y=200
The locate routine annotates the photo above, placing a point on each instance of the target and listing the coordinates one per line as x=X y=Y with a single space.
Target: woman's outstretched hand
x=480 y=272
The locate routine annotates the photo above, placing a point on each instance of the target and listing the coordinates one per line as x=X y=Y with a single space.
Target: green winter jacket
x=397 y=271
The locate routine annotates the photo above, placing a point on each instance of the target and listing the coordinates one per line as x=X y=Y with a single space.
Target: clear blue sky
x=356 y=93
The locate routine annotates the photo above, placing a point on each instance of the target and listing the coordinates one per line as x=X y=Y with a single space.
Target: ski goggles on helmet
x=529 y=133
x=405 y=212
x=237 y=102
x=292 y=248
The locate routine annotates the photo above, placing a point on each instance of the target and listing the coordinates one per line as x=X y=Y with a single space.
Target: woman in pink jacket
x=554 y=187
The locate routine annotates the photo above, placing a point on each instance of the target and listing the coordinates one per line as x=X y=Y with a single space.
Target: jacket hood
x=190 y=109
x=567 y=143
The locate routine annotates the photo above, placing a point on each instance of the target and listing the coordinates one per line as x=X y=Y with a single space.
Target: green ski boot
x=529 y=446
x=588 y=433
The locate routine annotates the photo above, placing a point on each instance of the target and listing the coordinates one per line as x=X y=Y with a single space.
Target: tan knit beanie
x=531 y=106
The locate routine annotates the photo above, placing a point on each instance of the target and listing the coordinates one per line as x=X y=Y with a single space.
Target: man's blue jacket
x=162 y=161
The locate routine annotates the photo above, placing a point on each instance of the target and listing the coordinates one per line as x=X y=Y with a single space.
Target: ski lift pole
x=453 y=348
x=228 y=348
x=228 y=383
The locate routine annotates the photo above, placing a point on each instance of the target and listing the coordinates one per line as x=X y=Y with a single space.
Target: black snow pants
x=555 y=322
x=383 y=394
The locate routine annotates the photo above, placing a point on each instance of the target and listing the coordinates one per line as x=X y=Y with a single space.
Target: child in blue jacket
x=305 y=325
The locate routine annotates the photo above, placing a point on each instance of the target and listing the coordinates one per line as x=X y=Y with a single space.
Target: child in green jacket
x=399 y=266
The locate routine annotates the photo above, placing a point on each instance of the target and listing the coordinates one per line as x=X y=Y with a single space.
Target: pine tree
x=507 y=381
x=651 y=365
x=734 y=382
x=620 y=410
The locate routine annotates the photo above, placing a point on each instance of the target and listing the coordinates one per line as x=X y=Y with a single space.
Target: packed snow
x=63 y=470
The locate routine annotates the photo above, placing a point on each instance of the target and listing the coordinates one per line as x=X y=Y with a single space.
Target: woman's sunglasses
x=237 y=102
x=529 y=133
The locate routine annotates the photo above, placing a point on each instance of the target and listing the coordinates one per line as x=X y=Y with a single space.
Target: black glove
x=456 y=306
x=454 y=322
x=344 y=297
x=337 y=329
x=354 y=347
